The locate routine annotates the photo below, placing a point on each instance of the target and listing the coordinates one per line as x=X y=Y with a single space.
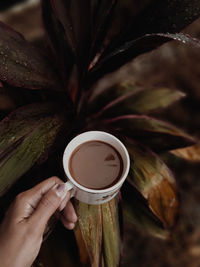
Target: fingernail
x=74 y=218
x=62 y=206
x=64 y=202
x=71 y=226
x=60 y=190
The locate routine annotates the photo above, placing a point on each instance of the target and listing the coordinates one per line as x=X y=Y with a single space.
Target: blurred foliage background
x=5 y=4
x=172 y=65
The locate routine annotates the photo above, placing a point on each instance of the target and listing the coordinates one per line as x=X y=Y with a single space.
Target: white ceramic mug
x=95 y=196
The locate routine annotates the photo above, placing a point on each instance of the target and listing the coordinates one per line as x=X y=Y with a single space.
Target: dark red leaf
x=56 y=34
x=75 y=18
x=102 y=14
x=132 y=49
x=159 y=16
x=22 y=65
x=61 y=9
x=165 y=16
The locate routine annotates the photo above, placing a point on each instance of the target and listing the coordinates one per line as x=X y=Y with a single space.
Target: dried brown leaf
x=137 y=212
x=191 y=153
x=156 y=183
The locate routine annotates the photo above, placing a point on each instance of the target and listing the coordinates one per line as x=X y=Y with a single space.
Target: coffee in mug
x=96 y=165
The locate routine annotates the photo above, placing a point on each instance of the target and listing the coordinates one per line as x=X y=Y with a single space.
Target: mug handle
x=70 y=187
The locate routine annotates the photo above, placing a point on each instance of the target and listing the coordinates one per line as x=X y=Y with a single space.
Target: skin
x=21 y=232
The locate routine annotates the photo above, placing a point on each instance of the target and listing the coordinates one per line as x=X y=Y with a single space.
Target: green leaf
x=157 y=134
x=144 y=101
x=153 y=179
x=99 y=228
x=90 y=224
x=99 y=98
x=138 y=100
x=150 y=100
x=22 y=65
x=191 y=153
x=137 y=212
x=25 y=135
x=111 y=233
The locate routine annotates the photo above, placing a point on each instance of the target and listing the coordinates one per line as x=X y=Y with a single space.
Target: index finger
x=36 y=193
x=27 y=201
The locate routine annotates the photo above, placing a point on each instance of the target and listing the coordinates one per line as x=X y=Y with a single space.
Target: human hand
x=21 y=232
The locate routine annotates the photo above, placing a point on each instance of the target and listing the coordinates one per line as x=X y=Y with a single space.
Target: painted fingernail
x=61 y=190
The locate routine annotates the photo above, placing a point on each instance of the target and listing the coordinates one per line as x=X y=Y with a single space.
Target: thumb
x=48 y=204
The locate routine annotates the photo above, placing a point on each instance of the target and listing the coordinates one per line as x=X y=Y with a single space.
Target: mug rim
x=89 y=190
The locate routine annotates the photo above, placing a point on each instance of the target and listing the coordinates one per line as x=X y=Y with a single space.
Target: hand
x=21 y=232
